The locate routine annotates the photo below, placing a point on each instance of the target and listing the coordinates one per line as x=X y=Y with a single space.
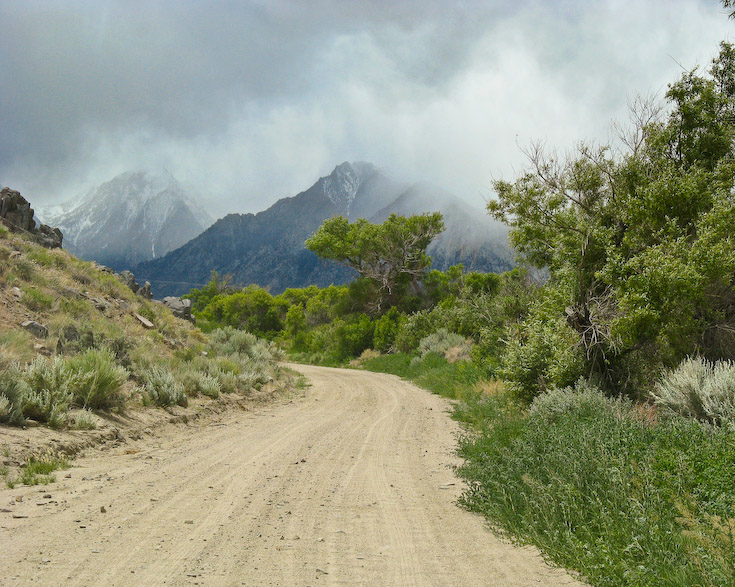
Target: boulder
x=36 y=329
x=146 y=291
x=129 y=279
x=17 y=214
x=16 y=210
x=49 y=237
x=180 y=308
x=144 y=321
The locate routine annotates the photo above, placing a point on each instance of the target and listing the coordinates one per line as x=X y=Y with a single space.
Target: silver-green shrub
x=230 y=341
x=442 y=341
x=97 y=379
x=161 y=388
x=699 y=389
x=51 y=384
x=581 y=399
x=197 y=382
x=13 y=393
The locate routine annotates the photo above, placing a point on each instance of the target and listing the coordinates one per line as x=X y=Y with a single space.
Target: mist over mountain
x=470 y=236
x=267 y=248
x=136 y=216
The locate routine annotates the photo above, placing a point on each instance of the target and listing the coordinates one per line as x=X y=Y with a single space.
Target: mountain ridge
x=133 y=217
x=267 y=248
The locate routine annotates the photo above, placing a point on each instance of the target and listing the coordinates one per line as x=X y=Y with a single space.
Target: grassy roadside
x=612 y=490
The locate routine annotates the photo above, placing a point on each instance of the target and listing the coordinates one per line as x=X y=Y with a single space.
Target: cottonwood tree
x=639 y=243
x=391 y=256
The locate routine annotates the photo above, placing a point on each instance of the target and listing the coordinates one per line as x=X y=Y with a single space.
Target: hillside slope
x=81 y=355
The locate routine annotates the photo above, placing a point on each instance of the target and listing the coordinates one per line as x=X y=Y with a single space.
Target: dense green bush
x=355 y=336
x=545 y=354
x=386 y=329
x=413 y=329
x=603 y=487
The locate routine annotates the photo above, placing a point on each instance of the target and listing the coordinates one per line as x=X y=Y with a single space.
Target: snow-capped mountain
x=136 y=216
x=268 y=248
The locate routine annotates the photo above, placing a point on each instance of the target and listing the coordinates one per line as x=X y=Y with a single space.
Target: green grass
x=36 y=471
x=604 y=487
x=35 y=299
x=432 y=372
x=604 y=490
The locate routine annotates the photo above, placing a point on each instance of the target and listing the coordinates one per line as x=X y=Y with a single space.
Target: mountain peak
x=135 y=216
x=141 y=185
x=342 y=185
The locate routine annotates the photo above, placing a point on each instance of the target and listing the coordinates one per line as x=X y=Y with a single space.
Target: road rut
x=348 y=484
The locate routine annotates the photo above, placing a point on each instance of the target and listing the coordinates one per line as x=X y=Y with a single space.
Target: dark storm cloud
x=248 y=101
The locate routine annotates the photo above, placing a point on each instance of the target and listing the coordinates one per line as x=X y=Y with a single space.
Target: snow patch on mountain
x=134 y=217
x=342 y=185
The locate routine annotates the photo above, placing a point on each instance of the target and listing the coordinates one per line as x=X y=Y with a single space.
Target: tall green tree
x=391 y=256
x=638 y=243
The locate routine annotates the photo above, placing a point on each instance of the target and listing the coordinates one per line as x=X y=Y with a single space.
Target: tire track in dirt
x=349 y=484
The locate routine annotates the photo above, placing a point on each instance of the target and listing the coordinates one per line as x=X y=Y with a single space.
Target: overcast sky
x=249 y=101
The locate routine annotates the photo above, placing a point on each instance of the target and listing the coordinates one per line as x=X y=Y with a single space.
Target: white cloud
x=252 y=101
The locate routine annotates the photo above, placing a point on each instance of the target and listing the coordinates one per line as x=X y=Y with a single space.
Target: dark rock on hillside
x=35 y=328
x=179 y=308
x=17 y=214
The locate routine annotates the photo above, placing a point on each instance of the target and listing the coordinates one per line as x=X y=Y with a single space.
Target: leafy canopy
x=638 y=242
x=390 y=256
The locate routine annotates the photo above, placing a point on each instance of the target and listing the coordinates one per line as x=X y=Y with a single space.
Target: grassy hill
x=84 y=360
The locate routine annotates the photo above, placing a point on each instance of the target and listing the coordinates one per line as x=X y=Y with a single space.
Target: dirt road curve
x=348 y=485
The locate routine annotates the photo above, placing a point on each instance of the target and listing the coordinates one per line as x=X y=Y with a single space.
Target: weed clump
x=97 y=379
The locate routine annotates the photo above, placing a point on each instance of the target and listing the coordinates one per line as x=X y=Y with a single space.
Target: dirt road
x=348 y=485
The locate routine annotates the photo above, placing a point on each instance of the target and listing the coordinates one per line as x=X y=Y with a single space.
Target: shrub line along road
x=350 y=484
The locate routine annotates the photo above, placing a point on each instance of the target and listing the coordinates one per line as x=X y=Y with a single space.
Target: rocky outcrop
x=49 y=237
x=17 y=215
x=129 y=279
x=180 y=308
x=35 y=328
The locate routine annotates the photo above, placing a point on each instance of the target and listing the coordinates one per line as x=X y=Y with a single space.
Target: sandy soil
x=349 y=484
